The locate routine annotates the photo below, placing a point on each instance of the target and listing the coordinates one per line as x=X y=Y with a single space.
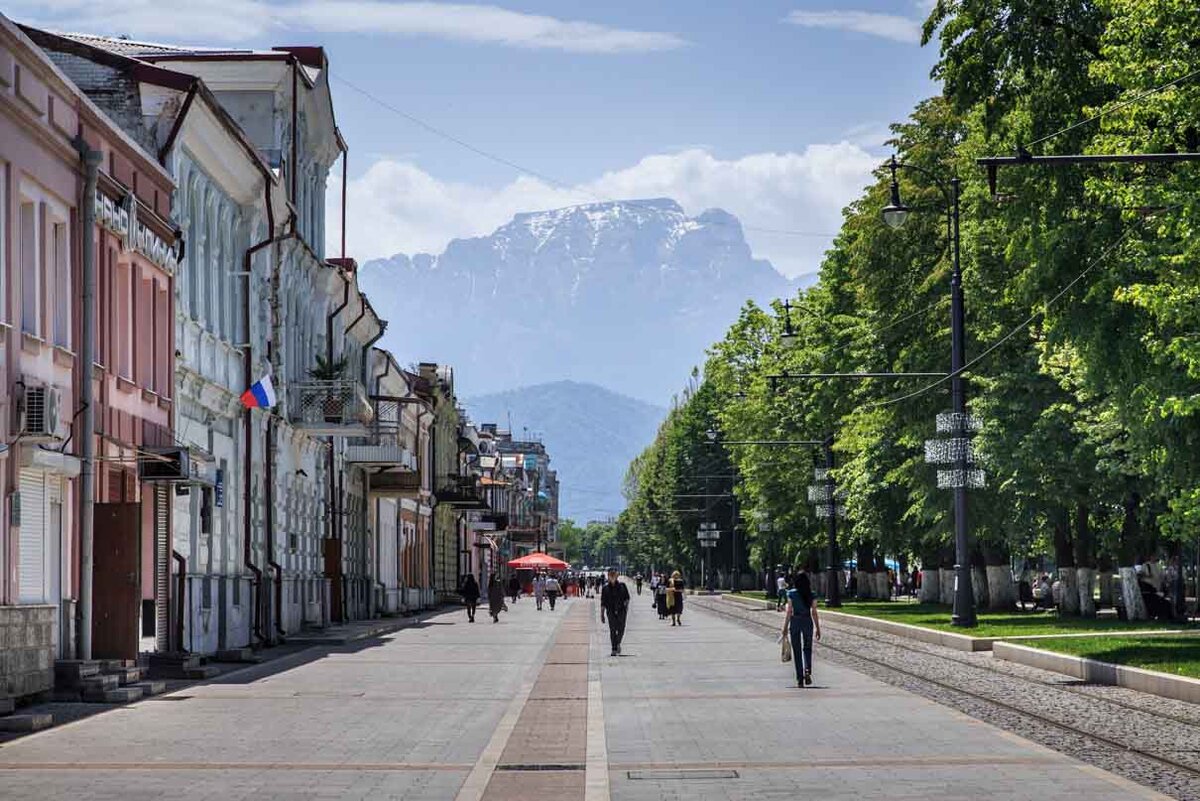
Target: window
x=31 y=270
x=60 y=261
x=124 y=323
x=162 y=341
x=3 y=242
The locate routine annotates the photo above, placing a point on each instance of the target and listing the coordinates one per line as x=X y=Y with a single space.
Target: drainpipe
x=269 y=479
x=248 y=420
x=367 y=352
x=334 y=505
x=181 y=593
x=90 y=160
x=345 y=158
x=294 y=166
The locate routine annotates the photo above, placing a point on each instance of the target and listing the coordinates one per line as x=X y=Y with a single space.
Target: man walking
x=614 y=604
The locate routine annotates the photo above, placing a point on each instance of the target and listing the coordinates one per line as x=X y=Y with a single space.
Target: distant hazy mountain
x=591 y=433
x=624 y=294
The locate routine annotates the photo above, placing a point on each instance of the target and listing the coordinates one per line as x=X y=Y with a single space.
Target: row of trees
x=1083 y=327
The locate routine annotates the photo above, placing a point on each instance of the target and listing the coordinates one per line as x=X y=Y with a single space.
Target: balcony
x=382 y=454
x=395 y=484
x=331 y=408
x=461 y=492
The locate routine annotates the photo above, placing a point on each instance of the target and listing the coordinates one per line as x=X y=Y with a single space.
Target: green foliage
x=1081 y=287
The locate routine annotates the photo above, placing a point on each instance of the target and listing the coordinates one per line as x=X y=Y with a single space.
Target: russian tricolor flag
x=261 y=395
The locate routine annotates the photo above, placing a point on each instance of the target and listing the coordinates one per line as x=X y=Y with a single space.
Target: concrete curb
x=1180 y=688
x=959 y=642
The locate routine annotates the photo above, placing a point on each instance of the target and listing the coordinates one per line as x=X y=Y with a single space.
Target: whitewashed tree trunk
x=1106 y=588
x=1068 y=604
x=947 y=585
x=979 y=587
x=930 y=583
x=1086 y=585
x=879 y=585
x=1002 y=592
x=818 y=582
x=1132 y=594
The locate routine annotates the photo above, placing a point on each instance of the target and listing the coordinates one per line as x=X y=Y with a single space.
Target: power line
x=1120 y=105
x=436 y=131
x=1015 y=330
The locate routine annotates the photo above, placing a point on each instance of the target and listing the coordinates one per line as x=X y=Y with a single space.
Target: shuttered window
x=34 y=553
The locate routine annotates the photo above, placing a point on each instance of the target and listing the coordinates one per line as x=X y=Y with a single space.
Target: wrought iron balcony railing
x=331 y=408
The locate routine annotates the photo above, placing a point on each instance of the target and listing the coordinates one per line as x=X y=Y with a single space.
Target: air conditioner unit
x=37 y=410
x=165 y=464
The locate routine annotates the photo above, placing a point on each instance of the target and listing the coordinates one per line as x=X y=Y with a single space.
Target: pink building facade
x=42 y=116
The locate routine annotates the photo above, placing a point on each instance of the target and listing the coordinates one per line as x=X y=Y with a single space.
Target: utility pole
x=87 y=419
x=833 y=592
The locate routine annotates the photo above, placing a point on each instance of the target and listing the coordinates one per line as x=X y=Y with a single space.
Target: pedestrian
x=660 y=597
x=553 y=590
x=781 y=588
x=675 y=591
x=514 y=587
x=801 y=624
x=495 y=598
x=614 y=604
x=470 y=596
x=638 y=581
x=539 y=589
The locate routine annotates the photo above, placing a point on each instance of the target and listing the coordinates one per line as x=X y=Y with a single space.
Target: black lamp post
x=895 y=214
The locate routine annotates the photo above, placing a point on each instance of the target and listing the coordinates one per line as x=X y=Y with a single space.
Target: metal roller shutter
x=32 y=575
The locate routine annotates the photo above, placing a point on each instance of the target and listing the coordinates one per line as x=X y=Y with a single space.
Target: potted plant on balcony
x=329 y=371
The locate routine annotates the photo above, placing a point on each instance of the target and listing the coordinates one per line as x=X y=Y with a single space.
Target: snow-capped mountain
x=625 y=294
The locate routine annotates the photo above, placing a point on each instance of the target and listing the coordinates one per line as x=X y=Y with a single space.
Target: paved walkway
x=534 y=707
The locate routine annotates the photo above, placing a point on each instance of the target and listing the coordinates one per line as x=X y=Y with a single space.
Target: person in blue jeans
x=801 y=624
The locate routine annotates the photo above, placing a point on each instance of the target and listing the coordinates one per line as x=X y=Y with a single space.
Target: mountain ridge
x=624 y=294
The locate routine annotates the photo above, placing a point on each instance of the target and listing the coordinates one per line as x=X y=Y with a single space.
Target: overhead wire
x=1015 y=330
x=1115 y=107
x=486 y=154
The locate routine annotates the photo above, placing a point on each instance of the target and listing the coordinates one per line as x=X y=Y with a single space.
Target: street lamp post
x=895 y=214
x=833 y=592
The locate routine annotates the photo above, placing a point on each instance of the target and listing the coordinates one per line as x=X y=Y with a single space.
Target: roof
x=129 y=47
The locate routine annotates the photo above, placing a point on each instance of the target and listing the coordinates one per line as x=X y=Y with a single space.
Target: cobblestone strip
x=545 y=750
x=1011 y=703
x=596 y=775
x=480 y=777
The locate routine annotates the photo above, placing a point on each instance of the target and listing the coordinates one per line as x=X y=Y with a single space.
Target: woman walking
x=675 y=591
x=801 y=624
x=495 y=598
x=660 y=597
x=470 y=596
x=514 y=587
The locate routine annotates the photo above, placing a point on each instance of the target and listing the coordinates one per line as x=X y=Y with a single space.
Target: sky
x=459 y=115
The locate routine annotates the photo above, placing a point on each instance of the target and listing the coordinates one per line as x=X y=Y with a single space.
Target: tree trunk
x=946 y=586
x=1105 y=580
x=1064 y=558
x=1085 y=583
x=930 y=584
x=883 y=588
x=1002 y=592
x=1135 y=609
x=1085 y=561
x=979 y=586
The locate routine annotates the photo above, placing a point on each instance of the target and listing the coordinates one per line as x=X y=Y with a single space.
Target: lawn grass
x=1179 y=656
x=994 y=624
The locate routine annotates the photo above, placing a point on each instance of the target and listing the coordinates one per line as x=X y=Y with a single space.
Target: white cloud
x=233 y=21
x=886 y=26
x=396 y=207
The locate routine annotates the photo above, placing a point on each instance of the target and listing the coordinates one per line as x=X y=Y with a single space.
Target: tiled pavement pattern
x=712 y=696
x=424 y=712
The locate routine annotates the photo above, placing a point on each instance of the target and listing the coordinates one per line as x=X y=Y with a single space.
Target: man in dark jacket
x=614 y=604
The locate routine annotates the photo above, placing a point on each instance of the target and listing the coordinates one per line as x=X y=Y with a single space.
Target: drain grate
x=541 y=766
x=681 y=775
x=168 y=698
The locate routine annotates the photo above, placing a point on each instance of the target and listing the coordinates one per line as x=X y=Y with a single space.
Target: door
x=117 y=587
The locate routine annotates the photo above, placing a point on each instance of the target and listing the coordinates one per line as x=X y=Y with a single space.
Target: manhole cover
x=682 y=775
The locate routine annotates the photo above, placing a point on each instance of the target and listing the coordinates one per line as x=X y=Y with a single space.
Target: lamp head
x=895 y=213
x=711 y=434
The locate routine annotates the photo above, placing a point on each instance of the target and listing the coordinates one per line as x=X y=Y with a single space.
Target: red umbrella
x=538 y=560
